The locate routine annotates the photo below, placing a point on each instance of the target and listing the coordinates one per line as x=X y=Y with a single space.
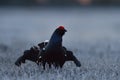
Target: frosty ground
x=99 y=62
x=93 y=36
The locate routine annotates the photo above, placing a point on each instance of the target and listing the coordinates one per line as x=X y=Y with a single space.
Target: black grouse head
x=56 y=38
x=60 y=30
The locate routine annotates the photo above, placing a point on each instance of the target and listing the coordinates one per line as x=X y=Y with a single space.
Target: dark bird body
x=52 y=53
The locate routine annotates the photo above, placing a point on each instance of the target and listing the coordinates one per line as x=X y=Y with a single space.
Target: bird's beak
x=65 y=30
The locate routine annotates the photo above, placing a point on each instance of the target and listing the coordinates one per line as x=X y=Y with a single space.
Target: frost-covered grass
x=99 y=62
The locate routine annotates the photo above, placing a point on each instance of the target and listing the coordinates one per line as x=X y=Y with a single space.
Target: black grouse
x=51 y=52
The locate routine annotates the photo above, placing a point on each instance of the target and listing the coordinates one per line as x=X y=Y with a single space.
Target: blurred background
x=59 y=2
x=35 y=20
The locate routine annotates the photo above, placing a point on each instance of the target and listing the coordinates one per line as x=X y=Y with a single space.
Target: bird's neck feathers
x=56 y=39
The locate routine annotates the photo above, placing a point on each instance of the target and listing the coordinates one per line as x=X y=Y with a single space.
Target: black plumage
x=52 y=52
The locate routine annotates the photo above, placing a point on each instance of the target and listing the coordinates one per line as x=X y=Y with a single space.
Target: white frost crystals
x=94 y=67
